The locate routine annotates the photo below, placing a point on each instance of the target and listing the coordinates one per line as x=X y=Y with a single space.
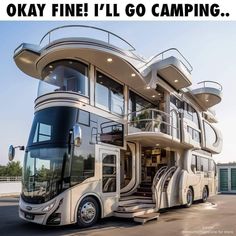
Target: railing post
x=108 y=38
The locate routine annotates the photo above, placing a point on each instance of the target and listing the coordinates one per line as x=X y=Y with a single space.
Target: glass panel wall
x=109 y=94
x=64 y=75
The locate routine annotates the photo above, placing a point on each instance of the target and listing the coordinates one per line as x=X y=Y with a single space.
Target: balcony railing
x=153 y=120
x=71 y=31
x=172 y=52
x=10 y=178
x=210 y=84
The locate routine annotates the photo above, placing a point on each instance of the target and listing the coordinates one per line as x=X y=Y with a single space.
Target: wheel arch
x=96 y=197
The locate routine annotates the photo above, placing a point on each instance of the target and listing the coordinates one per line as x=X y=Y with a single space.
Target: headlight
x=49 y=207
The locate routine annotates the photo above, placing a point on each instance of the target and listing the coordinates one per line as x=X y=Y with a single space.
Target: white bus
x=114 y=134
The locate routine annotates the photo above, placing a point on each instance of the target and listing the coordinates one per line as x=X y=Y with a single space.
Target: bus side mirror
x=77 y=135
x=11 y=153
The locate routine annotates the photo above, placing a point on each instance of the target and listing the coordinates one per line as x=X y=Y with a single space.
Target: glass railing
x=153 y=120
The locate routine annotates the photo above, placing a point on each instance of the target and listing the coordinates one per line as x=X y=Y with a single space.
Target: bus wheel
x=189 y=197
x=204 y=194
x=88 y=212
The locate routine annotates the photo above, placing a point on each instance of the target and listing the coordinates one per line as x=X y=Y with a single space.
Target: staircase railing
x=168 y=173
x=158 y=175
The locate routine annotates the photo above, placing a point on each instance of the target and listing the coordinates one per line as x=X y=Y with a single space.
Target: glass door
x=110 y=172
x=224 y=180
x=233 y=179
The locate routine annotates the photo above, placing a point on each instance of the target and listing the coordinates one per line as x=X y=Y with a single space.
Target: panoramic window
x=210 y=134
x=109 y=173
x=64 y=75
x=109 y=94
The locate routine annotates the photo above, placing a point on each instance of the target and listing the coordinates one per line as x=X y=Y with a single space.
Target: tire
x=204 y=194
x=189 y=198
x=88 y=212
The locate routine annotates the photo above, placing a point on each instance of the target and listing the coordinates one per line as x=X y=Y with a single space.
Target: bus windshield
x=43 y=176
x=46 y=163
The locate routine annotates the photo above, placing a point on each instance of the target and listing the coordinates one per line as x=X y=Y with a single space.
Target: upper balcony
x=172 y=66
x=89 y=43
x=208 y=94
x=158 y=128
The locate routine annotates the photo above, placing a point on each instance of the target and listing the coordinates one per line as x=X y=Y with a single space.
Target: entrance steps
x=140 y=208
x=146 y=217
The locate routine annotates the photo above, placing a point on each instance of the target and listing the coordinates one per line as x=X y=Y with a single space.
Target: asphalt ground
x=215 y=217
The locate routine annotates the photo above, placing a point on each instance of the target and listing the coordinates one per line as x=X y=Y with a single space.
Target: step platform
x=146 y=217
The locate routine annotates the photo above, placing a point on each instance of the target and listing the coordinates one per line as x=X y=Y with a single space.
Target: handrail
x=167 y=50
x=210 y=82
x=150 y=109
x=171 y=170
x=153 y=121
x=10 y=178
x=109 y=33
x=157 y=175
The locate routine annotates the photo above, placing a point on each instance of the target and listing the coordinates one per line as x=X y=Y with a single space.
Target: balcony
x=173 y=67
x=153 y=127
x=208 y=94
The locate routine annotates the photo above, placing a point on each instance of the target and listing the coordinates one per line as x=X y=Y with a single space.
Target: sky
x=209 y=46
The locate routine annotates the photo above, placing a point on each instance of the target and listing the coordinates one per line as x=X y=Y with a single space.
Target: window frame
x=109 y=109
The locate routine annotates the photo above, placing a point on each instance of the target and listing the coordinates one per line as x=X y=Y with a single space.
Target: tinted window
x=204 y=164
x=176 y=102
x=194 y=134
x=194 y=163
x=109 y=94
x=52 y=126
x=83 y=118
x=199 y=164
x=137 y=103
x=210 y=134
x=191 y=114
x=83 y=162
x=65 y=75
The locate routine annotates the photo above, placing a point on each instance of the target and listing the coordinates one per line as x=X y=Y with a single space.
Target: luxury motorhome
x=114 y=134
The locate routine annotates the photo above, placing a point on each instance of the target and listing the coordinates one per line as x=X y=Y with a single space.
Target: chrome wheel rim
x=88 y=212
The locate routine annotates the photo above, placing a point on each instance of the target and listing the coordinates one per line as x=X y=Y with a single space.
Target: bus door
x=109 y=163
